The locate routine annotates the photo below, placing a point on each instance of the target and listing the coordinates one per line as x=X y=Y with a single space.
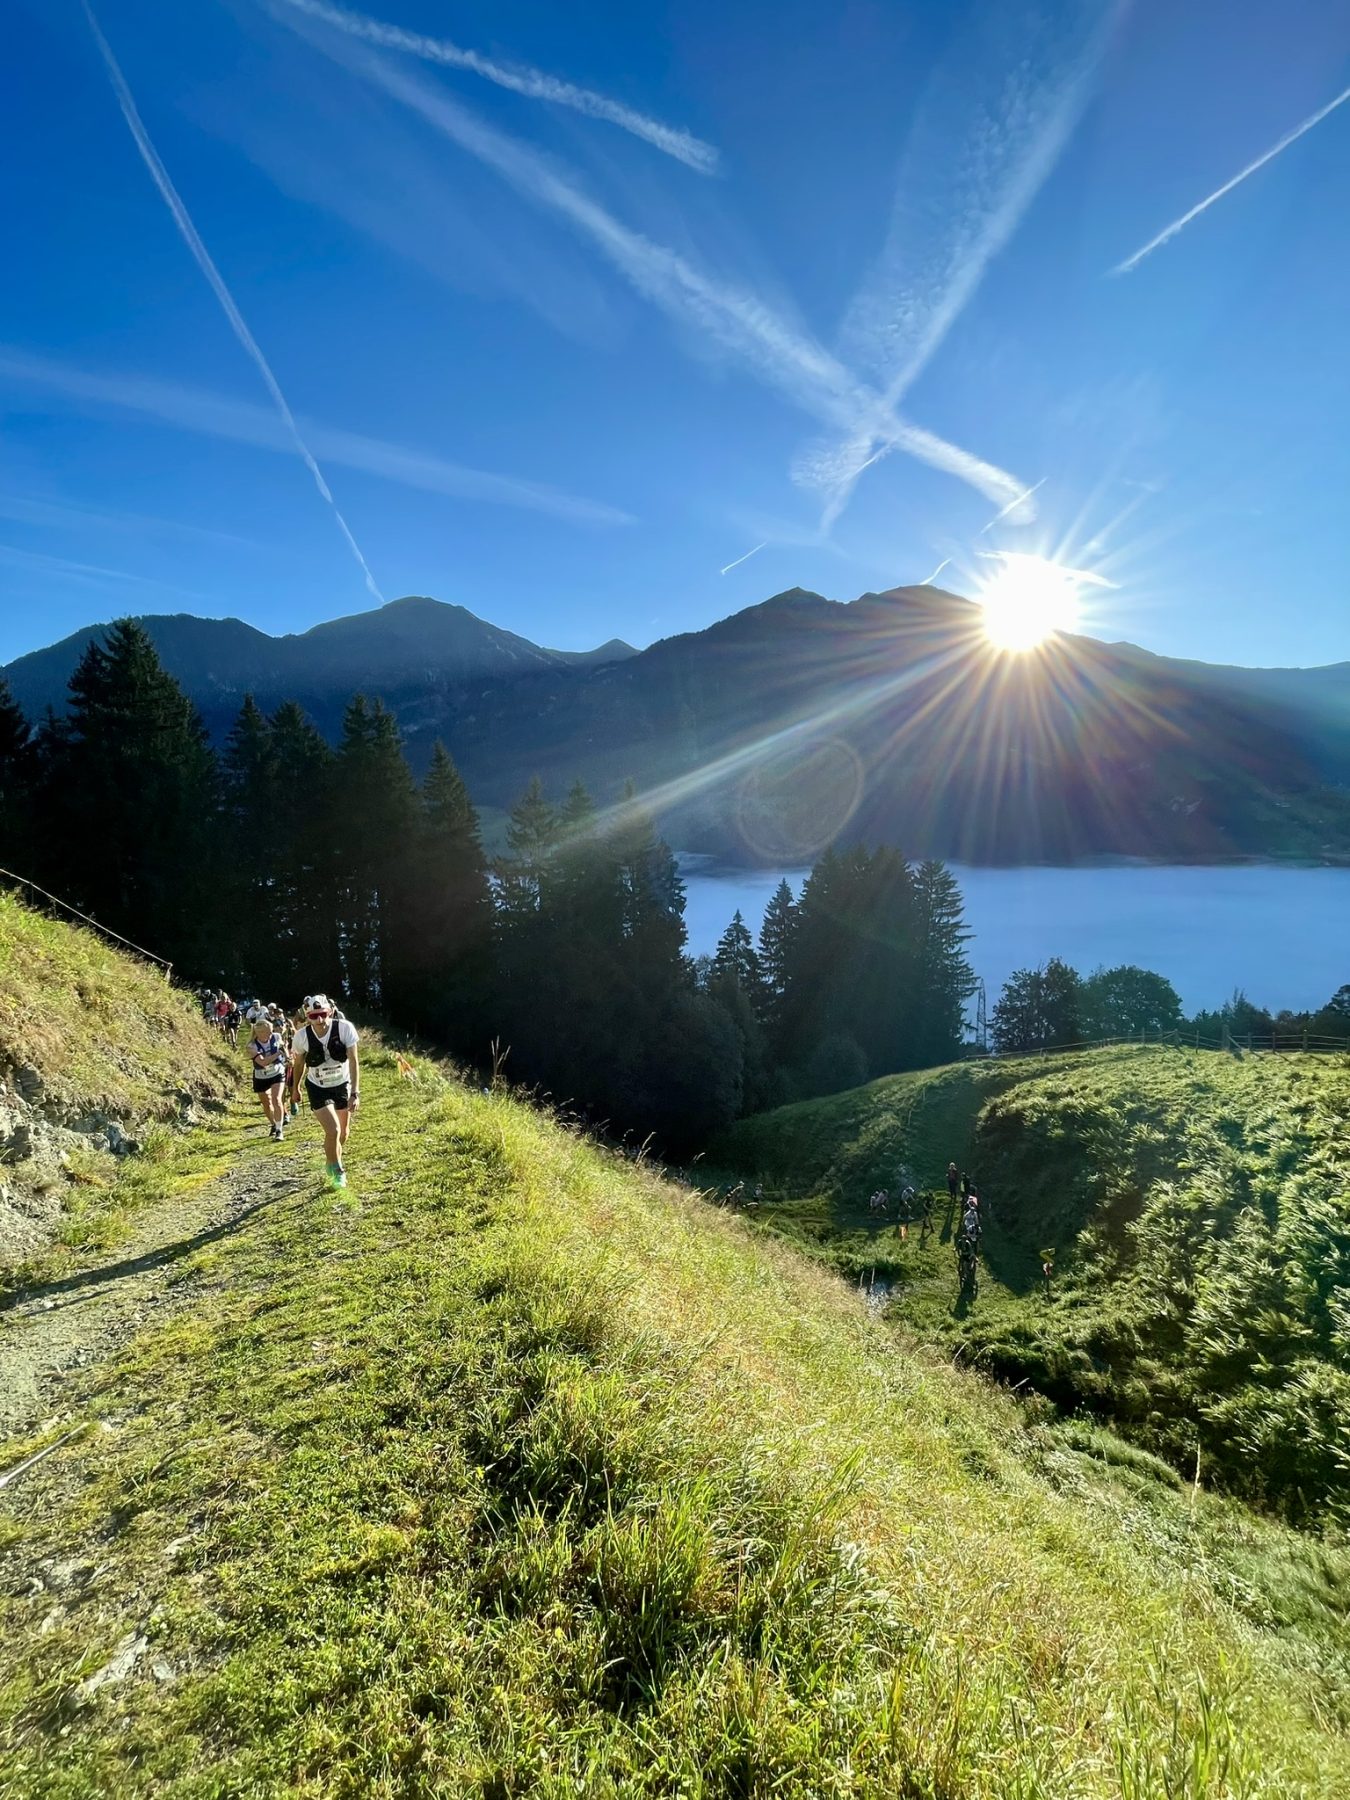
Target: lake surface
x=1283 y=935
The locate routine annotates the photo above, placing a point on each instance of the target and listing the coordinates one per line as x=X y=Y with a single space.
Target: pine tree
x=735 y=964
x=531 y=834
x=133 y=796
x=737 y=985
x=444 y=987
x=775 y=952
x=18 y=776
x=300 y=912
x=944 y=978
x=651 y=898
x=375 y=834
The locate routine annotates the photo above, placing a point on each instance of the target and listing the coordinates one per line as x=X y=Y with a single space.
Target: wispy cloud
x=214 y=415
x=928 y=580
x=740 y=559
x=519 y=78
x=991 y=127
x=734 y=318
x=65 y=515
x=1170 y=231
x=95 y=574
x=1016 y=504
x=202 y=256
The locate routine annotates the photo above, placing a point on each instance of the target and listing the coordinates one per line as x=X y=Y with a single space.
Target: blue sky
x=574 y=307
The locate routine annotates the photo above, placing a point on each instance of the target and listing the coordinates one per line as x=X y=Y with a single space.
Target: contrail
x=740 y=559
x=1290 y=137
x=999 y=111
x=160 y=175
x=251 y=422
x=1013 y=504
x=520 y=79
x=936 y=572
x=734 y=317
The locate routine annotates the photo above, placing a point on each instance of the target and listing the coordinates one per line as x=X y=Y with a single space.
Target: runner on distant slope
x=325 y=1054
x=267 y=1047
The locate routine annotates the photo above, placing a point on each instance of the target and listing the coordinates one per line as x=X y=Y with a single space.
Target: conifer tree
x=445 y=983
x=373 y=828
x=522 y=878
x=133 y=797
x=651 y=898
x=302 y=908
x=737 y=985
x=735 y=963
x=18 y=776
x=944 y=978
x=775 y=952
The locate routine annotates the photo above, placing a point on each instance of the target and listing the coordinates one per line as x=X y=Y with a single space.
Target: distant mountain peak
x=791 y=597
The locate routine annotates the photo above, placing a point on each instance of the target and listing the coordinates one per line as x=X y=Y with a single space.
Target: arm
x=354 y=1059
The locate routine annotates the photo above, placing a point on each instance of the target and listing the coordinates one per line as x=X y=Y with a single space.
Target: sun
x=1027 y=599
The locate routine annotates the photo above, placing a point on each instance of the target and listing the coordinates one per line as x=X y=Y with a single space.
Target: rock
x=74 y=1572
x=30 y=1084
x=123 y=1660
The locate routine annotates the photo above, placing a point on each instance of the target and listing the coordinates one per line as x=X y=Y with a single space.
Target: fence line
x=1268 y=1043
x=31 y=888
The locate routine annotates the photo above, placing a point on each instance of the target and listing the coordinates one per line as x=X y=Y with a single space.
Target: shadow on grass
x=108 y=1273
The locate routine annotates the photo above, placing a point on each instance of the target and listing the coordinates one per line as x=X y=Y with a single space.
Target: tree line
x=284 y=863
x=1054 y=1005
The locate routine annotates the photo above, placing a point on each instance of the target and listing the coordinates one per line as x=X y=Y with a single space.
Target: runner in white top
x=324 y=1053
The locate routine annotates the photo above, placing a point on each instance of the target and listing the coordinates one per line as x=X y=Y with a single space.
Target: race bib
x=328 y=1075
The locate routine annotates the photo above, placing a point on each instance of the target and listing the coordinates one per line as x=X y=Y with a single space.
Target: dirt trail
x=48 y=1333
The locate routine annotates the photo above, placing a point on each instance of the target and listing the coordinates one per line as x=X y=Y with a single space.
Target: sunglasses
x=319 y=1014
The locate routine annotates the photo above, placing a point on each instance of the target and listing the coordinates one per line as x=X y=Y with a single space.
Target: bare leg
x=344 y=1124
x=328 y=1119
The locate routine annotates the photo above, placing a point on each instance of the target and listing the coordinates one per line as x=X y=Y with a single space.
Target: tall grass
x=103 y=1030
x=517 y=1470
x=1198 y=1212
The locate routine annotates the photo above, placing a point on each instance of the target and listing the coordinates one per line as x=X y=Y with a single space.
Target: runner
x=953 y=1181
x=267 y=1047
x=325 y=1054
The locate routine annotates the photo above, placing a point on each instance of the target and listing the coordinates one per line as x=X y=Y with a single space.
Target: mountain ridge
x=803 y=721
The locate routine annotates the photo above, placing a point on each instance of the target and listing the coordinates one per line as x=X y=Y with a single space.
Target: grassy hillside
x=103 y=1030
x=517 y=1470
x=1198 y=1211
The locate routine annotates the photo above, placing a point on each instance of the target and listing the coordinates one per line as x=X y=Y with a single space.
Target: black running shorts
x=339 y=1097
x=261 y=1083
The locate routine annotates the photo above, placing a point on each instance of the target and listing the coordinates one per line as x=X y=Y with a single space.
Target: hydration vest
x=269 y=1057
x=334 y=1051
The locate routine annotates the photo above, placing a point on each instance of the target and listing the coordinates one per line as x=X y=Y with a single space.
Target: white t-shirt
x=327 y=1074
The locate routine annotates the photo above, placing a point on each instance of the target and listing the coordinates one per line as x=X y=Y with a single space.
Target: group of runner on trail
x=967 y=1223
x=315 y=1053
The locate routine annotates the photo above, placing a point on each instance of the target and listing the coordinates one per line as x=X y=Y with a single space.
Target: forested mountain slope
x=1195 y=1207
x=519 y=1469
x=804 y=721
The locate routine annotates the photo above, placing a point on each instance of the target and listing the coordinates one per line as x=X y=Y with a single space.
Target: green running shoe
x=337 y=1175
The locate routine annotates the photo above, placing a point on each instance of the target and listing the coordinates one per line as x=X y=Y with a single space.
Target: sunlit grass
x=516 y=1470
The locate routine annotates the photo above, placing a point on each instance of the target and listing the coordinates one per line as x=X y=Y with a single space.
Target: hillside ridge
x=519 y=1468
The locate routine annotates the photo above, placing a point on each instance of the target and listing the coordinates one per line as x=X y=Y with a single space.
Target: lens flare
x=1028 y=598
